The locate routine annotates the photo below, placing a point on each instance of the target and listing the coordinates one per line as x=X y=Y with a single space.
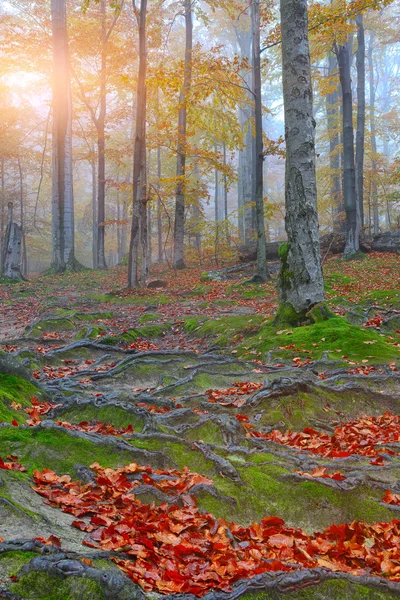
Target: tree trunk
x=94 y=212
x=301 y=280
x=12 y=248
x=100 y=125
x=374 y=187
x=2 y=212
x=216 y=191
x=159 y=220
x=261 y=273
x=333 y=117
x=24 y=266
x=360 y=59
x=349 y=176
x=179 y=227
x=62 y=191
x=245 y=162
x=139 y=148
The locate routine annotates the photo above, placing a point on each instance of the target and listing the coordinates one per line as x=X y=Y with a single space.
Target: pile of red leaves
x=14 y=465
x=175 y=549
x=233 y=396
x=364 y=436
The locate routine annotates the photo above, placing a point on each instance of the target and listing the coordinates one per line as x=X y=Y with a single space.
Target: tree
x=62 y=190
x=179 y=227
x=301 y=280
x=349 y=174
x=372 y=92
x=360 y=136
x=261 y=273
x=139 y=154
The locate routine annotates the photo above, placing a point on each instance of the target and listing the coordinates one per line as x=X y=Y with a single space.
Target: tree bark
x=159 y=220
x=94 y=211
x=246 y=222
x=12 y=247
x=24 y=265
x=100 y=126
x=349 y=176
x=333 y=118
x=372 y=93
x=139 y=148
x=360 y=136
x=179 y=227
x=301 y=280
x=261 y=273
x=62 y=190
x=2 y=212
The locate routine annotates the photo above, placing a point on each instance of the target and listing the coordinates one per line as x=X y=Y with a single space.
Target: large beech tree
x=301 y=280
x=62 y=190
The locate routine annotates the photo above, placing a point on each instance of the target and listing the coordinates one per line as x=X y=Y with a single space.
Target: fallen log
x=332 y=243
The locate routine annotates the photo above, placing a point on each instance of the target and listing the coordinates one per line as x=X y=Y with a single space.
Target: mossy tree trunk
x=301 y=280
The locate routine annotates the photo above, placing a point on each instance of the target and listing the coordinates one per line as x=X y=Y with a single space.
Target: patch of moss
x=335 y=336
x=225 y=330
x=148 y=317
x=57 y=450
x=108 y=414
x=207 y=432
x=335 y=589
x=18 y=390
x=46 y=587
x=11 y=562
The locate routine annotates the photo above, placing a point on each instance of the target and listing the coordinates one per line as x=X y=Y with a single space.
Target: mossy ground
x=234 y=320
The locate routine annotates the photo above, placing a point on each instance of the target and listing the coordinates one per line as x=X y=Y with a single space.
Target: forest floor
x=175 y=440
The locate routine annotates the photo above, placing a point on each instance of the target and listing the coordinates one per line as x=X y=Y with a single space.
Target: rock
x=157 y=283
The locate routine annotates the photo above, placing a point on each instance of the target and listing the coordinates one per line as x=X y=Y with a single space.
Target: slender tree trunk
x=261 y=273
x=139 y=148
x=374 y=189
x=94 y=210
x=349 y=175
x=2 y=212
x=225 y=185
x=216 y=191
x=62 y=192
x=333 y=118
x=24 y=265
x=159 y=220
x=144 y=266
x=360 y=59
x=245 y=162
x=100 y=125
x=179 y=227
x=301 y=281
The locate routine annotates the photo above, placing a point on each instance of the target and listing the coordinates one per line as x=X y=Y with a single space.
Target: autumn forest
x=199 y=299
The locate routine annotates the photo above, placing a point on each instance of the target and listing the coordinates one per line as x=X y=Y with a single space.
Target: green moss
x=208 y=432
x=49 y=325
x=46 y=587
x=18 y=390
x=148 y=317
x=11 y=562
x=40 y=449
x=109 y=414
x=224 y=329
x=335 y=589
x=335 y=336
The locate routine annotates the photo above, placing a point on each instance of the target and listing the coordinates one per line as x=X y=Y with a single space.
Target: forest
x=199 y=300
